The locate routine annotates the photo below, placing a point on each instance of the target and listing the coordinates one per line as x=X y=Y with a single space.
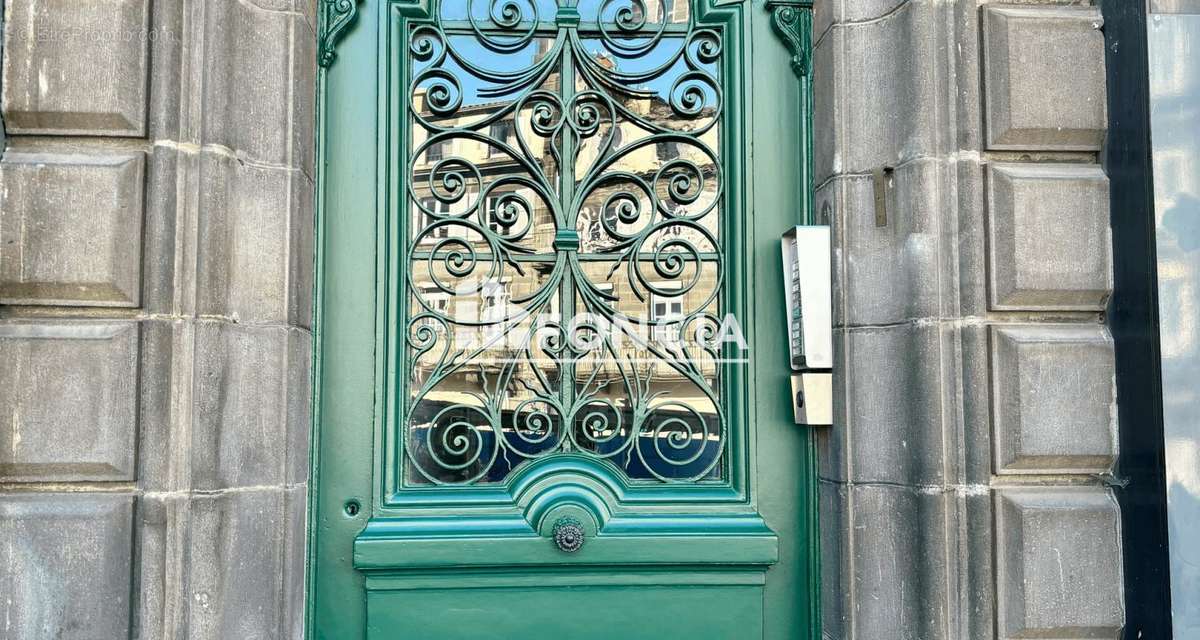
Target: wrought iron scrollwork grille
x=563 y=256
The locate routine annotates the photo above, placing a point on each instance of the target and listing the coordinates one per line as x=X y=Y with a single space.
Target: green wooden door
x=552 y=396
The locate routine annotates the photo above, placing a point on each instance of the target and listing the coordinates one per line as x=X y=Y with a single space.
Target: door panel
x=551 y=314
x=595 y=611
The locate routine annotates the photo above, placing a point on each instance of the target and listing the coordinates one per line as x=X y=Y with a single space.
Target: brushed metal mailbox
x=808 y=293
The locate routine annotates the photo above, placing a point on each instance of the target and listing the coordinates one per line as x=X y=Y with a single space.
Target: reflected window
x=440 y=208
x=438 y=303
x=437 y=151
x=493 y=218
x=666 y=308
x=667 y=151
x=501 y=131
x=495 y=297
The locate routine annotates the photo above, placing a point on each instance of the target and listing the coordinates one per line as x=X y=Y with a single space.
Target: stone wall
x=155 y=275
x=965 y=487
x=156 y=193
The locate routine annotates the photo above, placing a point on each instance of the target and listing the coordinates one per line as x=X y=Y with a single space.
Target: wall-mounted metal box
x=808 y=291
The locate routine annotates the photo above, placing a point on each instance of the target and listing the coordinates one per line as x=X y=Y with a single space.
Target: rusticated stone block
x=304 y=84
x=873 y=86
x=1050 y=244
x=972 y=245
x=67 y=400
x=835 y=574
x=1058 y=563
x=254 y=228
x=975 y=442
x=1054 y=399
x=71 y=228
x=243 y=577
x=827 y=140
x=1044 y=77
x=239 y=97
x=65 y=565
x=897 y=547
x=899 y=271
x=894 y=420
x=251 y=406
x=76 y=68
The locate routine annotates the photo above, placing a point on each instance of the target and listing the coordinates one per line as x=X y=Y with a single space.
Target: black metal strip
x=1133 y=320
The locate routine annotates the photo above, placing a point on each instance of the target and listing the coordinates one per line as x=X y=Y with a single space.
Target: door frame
x=345 y=390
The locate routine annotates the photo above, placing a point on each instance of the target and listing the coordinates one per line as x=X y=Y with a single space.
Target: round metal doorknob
x=568 y=535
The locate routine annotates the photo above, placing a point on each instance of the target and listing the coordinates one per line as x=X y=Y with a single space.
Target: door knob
x=568 y=535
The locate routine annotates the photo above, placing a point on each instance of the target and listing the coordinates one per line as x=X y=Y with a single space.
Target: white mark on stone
x=1062 y=578
x=1114 y=427
x=16 y=433
x=961 y=489
x=22 y=234
x=189 y=148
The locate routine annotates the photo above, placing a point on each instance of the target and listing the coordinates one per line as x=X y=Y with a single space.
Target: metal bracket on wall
x=792 y=20
x=883 y=178
x=336 y=16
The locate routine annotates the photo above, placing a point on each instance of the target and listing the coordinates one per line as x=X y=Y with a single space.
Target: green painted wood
x=731 y=559
x=628 y=542
x=782 y=150
x=533 y=551
x=578 y=612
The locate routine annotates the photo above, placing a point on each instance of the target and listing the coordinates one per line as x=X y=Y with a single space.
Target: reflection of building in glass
x=491 y=216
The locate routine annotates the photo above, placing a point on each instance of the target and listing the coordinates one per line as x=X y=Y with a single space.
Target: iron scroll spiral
x=564 y=265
